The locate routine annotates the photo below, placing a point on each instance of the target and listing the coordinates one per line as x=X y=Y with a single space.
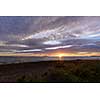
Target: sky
x=49 y=35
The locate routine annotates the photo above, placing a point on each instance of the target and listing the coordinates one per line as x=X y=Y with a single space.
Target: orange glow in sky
x=56 y=54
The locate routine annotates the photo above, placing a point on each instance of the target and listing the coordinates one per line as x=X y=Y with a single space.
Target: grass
x=67 y=72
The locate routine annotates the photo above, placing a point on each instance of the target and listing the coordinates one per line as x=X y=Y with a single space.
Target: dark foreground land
x=52 y=71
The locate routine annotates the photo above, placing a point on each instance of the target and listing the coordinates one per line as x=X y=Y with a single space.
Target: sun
x=60 y=56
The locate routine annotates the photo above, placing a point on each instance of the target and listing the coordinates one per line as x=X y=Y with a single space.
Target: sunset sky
x=49 y=36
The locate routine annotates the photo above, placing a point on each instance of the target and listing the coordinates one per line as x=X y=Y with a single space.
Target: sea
x=18 y=59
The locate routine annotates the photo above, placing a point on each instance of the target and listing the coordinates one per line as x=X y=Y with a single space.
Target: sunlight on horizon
x=56 y=54
x=60 y=56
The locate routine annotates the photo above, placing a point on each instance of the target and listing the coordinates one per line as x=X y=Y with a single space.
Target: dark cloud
x=49 y=34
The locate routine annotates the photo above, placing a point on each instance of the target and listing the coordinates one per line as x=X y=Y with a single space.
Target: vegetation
x=68 y=71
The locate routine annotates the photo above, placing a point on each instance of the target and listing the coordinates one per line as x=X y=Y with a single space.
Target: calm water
x=5 y=60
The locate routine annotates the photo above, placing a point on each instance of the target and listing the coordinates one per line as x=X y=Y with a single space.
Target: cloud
x=52 y=42
x=43 y=34
x=58 y=47
x=32 y=50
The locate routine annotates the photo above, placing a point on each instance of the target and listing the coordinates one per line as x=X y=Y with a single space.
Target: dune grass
x=67 y=72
